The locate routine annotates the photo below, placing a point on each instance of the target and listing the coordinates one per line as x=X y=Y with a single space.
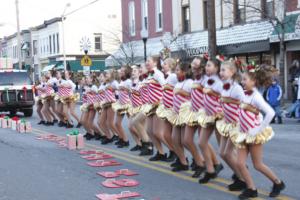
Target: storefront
x=292 y=46
x=249 y=42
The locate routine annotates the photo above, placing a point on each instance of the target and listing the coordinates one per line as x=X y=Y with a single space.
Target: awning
x=239 y=36
x=97 y=65
x=291 y=29
x=48 y=68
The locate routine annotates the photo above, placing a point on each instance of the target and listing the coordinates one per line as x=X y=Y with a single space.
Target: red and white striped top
x=197 y=96
x=65 y=91
x=155 y=81
x=167 y=98
x=234 y=91
x=179 y=99
x=48 y=90
x=136 y=97
x=124 y=88
x=251 y=122
x=110 y=91
x=100 y=96
x=144 y=93
x=212 y=104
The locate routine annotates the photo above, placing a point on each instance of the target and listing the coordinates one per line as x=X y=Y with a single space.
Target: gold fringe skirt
x=225 y=128
x=163 y=112
x=149 y=109
x=241 y=140
x=191 y=117
x=97 y=107
x=132 y=111
x=180 y=119
x=206 y=120
x=71 y=99
x=84 y=107
x=120 y=108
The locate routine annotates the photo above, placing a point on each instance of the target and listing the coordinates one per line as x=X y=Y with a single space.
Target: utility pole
x=211 y=26
x=18 y=35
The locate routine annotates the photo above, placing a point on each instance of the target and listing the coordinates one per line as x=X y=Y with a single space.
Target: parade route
x=45 y=171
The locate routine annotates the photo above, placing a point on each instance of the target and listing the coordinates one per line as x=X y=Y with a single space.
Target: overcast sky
x=32 y=12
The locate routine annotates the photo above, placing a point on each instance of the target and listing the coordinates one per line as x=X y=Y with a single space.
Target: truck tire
x=28 y=112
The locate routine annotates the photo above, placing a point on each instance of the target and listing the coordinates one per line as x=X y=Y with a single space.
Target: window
x=144 y=14
x=269 y=9
x=57 y=42
x=54 y=43
x=50 y=44
x=205 y=14
x=131 y=18
x=298 y=4
x=186 y=19
x=98 y=42
x=35 y=50
x=241 y=15
x=159 y=16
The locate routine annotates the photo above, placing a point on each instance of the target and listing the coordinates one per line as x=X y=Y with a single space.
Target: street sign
x=86 y=70
x=86 y=61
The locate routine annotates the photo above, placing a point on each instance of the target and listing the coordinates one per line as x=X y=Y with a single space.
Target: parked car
x=16 y=92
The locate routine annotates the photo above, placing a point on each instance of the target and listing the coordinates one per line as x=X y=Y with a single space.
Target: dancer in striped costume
x=90 y=91
x=254 y=131
x=137 y=121
x=122 y=105
x=136 y=104
x=231 y=97
x=155 y=81
x=100 y=97
x=39 y=104
x=58 y=102
x=164 y=130
x=213 y=87
x=46 y=96
x=52 y=83
x=181 y=95
x=110 y=97
x=196 y=111
x=69 y=99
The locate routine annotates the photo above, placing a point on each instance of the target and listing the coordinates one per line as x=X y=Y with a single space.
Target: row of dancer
x=57 y=100
x=168 y=106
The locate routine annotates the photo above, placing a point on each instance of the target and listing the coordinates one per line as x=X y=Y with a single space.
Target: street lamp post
x=144 y=36
x=63 y=35
x=18 y=35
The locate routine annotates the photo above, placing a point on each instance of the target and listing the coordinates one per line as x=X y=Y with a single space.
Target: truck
x=16 y=92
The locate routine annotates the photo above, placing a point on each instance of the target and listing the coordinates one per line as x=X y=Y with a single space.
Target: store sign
x=196 y=51
x=288 y=36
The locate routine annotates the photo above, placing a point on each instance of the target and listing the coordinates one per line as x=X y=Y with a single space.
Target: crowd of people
x=167 y=103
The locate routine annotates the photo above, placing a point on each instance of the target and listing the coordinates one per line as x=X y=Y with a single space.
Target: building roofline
x=46 y=23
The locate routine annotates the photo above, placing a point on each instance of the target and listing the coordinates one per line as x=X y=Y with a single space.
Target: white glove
x=254 y=131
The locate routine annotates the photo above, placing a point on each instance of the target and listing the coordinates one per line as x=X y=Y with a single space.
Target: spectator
x=273 y=96
x=294 y=109
x=294 y=74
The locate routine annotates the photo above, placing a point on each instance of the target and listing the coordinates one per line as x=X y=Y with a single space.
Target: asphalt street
x=34 y=169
